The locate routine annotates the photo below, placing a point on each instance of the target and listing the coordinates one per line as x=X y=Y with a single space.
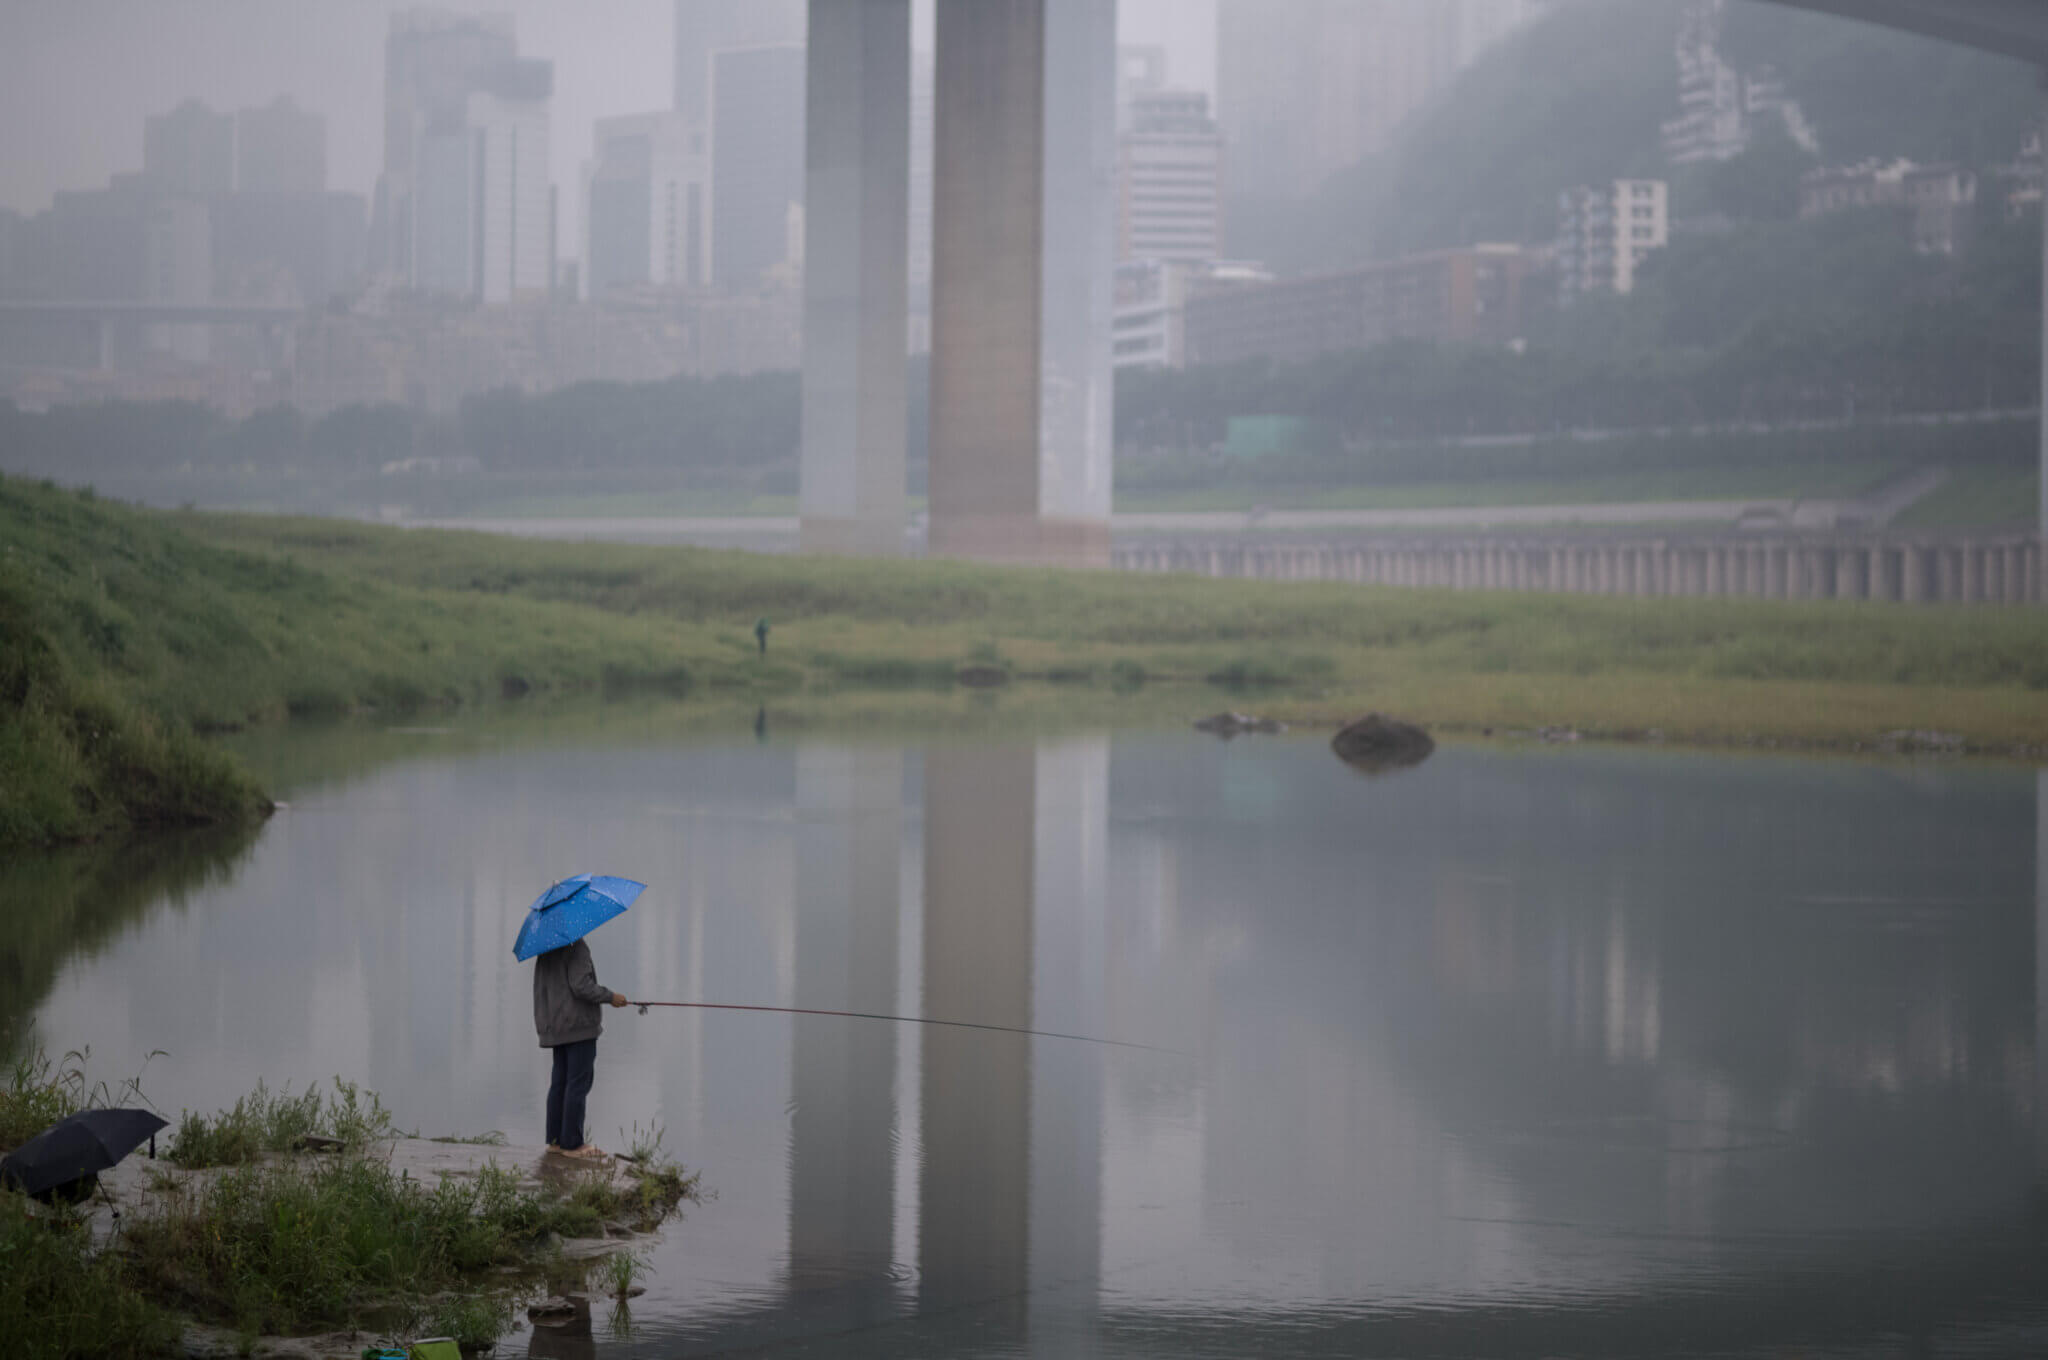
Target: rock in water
x=1377 y=743
x=1228 y=725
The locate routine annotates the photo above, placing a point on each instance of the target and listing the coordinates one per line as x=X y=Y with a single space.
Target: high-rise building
x=280 y=149
x=1169 y=180
x=1310 y=87
x=1605 y=232
x=703 y=27
x=646 y=204
x=432 y=60
x=464 y=206
x=757 y=160
x=1140 y=70
x=190 y=150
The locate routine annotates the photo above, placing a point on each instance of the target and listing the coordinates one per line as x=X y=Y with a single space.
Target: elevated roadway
x=2012 y=28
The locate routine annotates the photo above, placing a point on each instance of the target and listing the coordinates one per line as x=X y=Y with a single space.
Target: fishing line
x=906 y=1020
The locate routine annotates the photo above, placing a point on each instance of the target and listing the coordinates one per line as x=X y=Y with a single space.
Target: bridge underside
x=2013 y=28
x=1023 y=223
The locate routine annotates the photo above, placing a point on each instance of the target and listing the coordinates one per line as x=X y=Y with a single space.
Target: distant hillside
x=1580 y=96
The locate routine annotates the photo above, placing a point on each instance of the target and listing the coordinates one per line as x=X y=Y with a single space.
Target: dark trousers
x=575 y=1069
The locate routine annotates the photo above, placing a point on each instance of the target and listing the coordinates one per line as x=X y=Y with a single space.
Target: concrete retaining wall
x=1996 y=570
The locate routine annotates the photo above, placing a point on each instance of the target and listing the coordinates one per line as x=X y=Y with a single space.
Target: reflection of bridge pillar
x=1069 y=913
x=856 y=230
x=842 y=1175
x=1023 y=226
x=1016 y=847
x=974 y=1195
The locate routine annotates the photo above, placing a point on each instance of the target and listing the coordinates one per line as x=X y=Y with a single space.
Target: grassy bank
x=125 y=631
x=277 y=1242
x=1693 y=668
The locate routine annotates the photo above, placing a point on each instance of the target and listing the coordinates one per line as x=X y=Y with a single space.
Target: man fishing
x=568 y=1014
x=566 y=994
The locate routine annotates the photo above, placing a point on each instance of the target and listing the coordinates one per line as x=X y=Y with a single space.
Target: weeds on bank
x=307 y=1244
x=282 y=1244
x=60 y=1298
x=41 y=1090
x=263 y=1123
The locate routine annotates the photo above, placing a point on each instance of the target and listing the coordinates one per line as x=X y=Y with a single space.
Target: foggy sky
x=77 y=77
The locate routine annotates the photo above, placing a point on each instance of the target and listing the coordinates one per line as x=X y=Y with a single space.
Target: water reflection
x=74 y=901
x=1514 y=1054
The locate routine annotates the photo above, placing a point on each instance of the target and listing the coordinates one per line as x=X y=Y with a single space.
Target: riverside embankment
x=127 y=631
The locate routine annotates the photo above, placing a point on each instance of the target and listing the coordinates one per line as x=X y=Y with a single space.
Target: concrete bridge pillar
x=1023 y=233
x=856 y=233
x=842 y=1148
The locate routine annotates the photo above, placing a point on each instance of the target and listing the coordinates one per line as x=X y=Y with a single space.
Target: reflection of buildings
x=1464 y=1041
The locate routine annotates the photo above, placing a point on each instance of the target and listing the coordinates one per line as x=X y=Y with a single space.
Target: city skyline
x=60 y=131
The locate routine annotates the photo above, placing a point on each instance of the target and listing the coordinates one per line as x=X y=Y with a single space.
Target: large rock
x=1377 y=743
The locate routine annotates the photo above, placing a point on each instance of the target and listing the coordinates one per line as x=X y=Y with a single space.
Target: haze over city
x=77 y=79
x=1167 y=678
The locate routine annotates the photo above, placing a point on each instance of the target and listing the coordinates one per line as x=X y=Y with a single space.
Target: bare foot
x=589 y=1152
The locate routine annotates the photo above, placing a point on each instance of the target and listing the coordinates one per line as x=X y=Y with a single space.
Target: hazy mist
x=78 y=78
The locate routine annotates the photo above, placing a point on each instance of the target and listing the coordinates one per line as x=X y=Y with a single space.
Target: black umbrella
x=63 y=1159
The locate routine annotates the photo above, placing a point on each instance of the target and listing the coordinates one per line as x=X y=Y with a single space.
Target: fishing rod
x=905 y=1020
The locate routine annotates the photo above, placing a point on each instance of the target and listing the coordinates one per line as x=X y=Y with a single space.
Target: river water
x=1527 y=1051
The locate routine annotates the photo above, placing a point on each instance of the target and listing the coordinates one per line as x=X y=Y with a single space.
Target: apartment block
x=1170 y=179
x=1471 y=295
x=1605 y=232
x=1941 y=199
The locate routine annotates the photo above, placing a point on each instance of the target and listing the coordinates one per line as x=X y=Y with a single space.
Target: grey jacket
x=567 y=1001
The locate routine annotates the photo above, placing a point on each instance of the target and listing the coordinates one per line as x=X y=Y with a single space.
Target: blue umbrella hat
x=571 y=909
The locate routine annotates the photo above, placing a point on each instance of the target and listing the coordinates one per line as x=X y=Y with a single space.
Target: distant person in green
x=761 y=633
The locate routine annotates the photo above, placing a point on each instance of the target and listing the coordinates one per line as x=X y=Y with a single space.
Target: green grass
x=59 y=1299
x=125 y=631
x=633 y=505
x=261 y=1123
x=1714 y=669
x=1975 y=496
x=315 y=1242
x=41 y=1090
x=293 y=1243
